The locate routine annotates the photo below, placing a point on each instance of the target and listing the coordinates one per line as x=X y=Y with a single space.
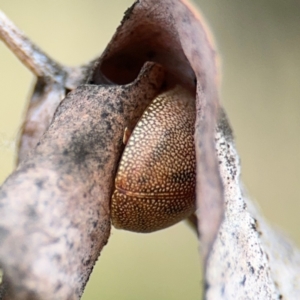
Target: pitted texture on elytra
x=155 y=183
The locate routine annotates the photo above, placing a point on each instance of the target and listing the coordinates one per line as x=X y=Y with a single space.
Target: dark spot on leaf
x=31 y=212
x=58 y=286
x=3 y=234
x=104 y=114
x=244 y=280
x=86 y=262
x=70 y=245
x=250 y=267
x=206 y=286
x=39 y=183
x=128 y=12
x=223 y=289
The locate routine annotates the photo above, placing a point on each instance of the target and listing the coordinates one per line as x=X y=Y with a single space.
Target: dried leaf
x=56 y=204
x=172 y=34
x=249 y=259
x=55 y=215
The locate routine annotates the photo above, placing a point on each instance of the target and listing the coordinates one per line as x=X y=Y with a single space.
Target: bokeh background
x=259 y=43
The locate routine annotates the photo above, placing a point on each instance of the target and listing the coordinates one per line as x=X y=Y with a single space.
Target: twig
x=29 y=54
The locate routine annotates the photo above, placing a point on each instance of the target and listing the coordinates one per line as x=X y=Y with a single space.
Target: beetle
x=156 y=177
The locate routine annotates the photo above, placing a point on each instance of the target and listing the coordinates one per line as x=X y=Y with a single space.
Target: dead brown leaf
x=66 y=181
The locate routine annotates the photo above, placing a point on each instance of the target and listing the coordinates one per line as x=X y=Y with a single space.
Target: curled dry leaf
x=174 y=35
x=249 y=259
x=55 y=214
x=56 y=204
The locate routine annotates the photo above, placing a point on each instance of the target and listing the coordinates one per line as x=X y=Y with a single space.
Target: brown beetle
x=155 y=182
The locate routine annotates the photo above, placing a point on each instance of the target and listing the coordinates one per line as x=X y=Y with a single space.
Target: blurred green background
x=259 y=43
